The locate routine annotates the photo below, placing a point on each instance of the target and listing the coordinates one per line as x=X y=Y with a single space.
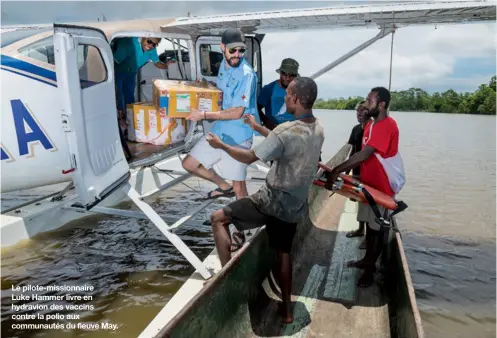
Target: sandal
x=237 y=241
x=223 y=193
x=355 y=233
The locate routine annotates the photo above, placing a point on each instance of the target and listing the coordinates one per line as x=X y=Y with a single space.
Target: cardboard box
x=148 y=125
x=173 y=98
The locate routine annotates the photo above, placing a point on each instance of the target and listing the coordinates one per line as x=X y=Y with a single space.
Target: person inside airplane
x=130 y=54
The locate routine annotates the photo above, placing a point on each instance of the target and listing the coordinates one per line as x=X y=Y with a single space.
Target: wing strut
x=391 y=57
x=384 y=32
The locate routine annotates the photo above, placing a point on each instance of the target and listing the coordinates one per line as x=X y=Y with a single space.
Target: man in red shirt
x=381 y=137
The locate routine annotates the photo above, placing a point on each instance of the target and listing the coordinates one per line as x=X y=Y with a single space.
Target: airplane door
x=89 y=114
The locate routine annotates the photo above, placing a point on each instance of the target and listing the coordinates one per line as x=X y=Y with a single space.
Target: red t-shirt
x=384 y=138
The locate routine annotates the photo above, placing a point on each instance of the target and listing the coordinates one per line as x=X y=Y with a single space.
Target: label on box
x=140 y=124
x=163 y=102
x=204 y=104
x=152 y=122
x=182 y=103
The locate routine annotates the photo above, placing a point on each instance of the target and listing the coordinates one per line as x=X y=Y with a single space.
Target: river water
x=449 y=229
x=448 y=232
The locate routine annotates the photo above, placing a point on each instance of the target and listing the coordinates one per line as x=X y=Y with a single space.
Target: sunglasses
x=234 y=50
x=150 y=42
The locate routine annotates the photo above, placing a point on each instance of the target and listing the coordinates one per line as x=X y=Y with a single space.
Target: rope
x=166 y=128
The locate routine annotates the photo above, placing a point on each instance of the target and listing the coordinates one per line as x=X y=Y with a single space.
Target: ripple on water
x=134 y=269
x=454 y=285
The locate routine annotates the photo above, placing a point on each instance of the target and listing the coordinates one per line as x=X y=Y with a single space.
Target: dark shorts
x=245 y=215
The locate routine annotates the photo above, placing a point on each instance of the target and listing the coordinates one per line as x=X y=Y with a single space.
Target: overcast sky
x=460 y=57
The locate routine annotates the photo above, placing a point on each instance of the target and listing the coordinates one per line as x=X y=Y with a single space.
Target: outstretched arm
x=246 y=156
x=234 y=113
x=351 y=163
x=162 y=65
x=261 y=130
x=250 y=120
x=271 y=148
x=228 y=114
x=355 y=160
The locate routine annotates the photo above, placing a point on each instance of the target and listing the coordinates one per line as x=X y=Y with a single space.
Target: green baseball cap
x=233 y=38
x=289 y=66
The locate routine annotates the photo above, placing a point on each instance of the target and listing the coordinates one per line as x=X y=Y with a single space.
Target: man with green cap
x=272 y=96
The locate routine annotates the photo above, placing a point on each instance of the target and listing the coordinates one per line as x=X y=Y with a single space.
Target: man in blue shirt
x=130 y=54
x=238 y=82
x=272 y=96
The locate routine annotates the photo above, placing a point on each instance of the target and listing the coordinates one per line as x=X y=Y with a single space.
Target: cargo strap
x=385 y=220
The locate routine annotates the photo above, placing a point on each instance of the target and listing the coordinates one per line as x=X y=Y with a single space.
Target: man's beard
x=234 y=61
x=373 y=112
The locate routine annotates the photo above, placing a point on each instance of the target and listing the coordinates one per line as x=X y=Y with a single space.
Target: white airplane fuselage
x=33 y=145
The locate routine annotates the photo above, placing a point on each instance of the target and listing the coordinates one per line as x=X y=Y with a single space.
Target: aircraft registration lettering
x=5 y=155
x=29 y=132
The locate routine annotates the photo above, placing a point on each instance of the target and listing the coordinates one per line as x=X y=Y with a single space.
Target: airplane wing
x=376 y=15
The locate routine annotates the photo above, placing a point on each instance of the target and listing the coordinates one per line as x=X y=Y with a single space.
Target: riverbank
x=480 y=102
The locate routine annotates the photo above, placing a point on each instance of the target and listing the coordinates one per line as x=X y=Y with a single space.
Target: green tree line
x=482 y=101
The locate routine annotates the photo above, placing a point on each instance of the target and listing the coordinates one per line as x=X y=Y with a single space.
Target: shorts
x=245 y=215
x=228 y=167
x=365 y=214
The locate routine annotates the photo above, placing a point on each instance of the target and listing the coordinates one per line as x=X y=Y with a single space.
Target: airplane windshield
x=8 y=38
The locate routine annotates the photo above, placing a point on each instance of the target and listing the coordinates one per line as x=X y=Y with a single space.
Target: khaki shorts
x=227 y=167
x=365 y=214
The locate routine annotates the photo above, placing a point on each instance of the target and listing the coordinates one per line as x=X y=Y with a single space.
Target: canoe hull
x=234 y=303
x=405 y=320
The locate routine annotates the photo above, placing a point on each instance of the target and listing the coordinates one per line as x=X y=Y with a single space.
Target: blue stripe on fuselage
x=28 y=68
x=30 y=77
x=35 y=70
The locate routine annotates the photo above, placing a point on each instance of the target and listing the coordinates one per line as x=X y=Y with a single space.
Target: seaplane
x=59 y=126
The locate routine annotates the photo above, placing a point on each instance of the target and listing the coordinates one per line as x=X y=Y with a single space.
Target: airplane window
x=8 y=38
x=43 y=51
x=93 y=71
x=169 y=52
x=211 y=57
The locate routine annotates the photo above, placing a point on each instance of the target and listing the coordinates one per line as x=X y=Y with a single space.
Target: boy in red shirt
x=379 y=145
